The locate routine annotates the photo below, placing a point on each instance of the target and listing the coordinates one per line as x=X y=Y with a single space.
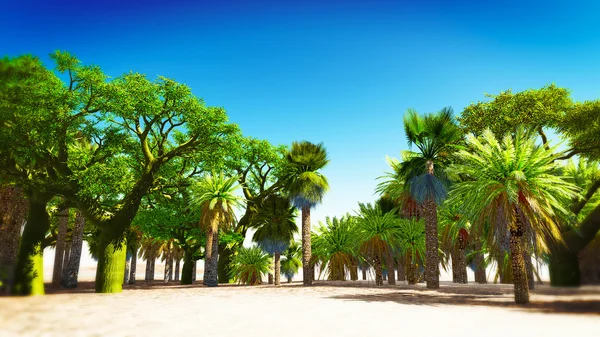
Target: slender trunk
x=277 y=270
x=306 y=248
x=29 y=273
x=390 y=267
x=411 y=269
x=211 y=261
x=401 y=271
x=111 y=261
x=270 y=278
x=480 y=276
x=384 y=274
x=364 y=274
x=13 y=213
x=188 y=267
x=59 y=251
x=378 y=271
x=432 y=269
x=133 y=266
x=66 y=259
x=71 y=268
x=225 y=257
x=517 y=261
x=177 y=260
x=529 y=270
x=589 y=263
x=454 y=266
x=353 y=270
x=168 y=266
x=194 y=268
x=127 y=268
x=461 y=262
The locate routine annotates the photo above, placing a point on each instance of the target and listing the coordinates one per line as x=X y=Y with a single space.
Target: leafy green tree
x=306 y=187
x=214 y=195
x=290 y=261
x=136 y=126
x=511 y=179
x=249 y=265
x=275 y=224
x=377 y=232
x=434 y=136
x=334 y=243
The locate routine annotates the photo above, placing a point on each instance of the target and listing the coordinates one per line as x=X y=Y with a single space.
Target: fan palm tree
x=424 y=171
x=215 y=196
x=412 y=245
x=276 y=226
x=334 y=245
x=377 y=232
x=290 y=261
x=249 y=265
x=306 y=187
x=453 y=240
x=511 y=179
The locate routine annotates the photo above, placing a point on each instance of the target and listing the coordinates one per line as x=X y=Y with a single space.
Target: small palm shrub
x=249 y=265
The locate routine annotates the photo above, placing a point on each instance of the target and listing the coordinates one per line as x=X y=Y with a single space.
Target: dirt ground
x=325 y=309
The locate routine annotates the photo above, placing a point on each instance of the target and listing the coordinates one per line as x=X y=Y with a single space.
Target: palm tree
x=306 y=187
x=453 y=238
x=249 y=265
x=377 y=232
x=512 y=179
x=290 y=261
x=276 y=226
x=214 y=196
x=412 y=245
x=424 y=171
x=334 y=245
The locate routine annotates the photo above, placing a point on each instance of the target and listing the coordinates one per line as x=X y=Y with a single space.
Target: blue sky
x=342 y=72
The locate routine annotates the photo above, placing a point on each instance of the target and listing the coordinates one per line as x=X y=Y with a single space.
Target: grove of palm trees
x=108 y=179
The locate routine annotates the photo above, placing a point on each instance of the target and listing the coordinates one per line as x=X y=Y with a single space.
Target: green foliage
x=249 y=265
x=377 y=231
x=306 y=186
x=412 y=239
x=291 y=261
x=214 y=195
x=581 y=126
x=275 y=224
x=334 y=244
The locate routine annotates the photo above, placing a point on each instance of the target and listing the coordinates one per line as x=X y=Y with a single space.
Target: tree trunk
x=517 y=261
x=133 y=266
x=480 y=276
x=13 y=213
x=59 y=251
x=306 y=248
x=211 y=261
x=168 y=266
x=188 y=267
x=66 y=259
x=71 y=267
x=589 y=263
x=411 y=269
x=390 y=267
x=127 y=268
x=401 y=271
x=111 y=261
x=177 y=260
x=29 y=272
x=270 y=278
x=432 y=269
x=353 y=270
x=454 y=266
x=564 y=268
x=225 y=257
x=364 y=274
x=150 y=257
x=194 y=267
x=378 y=271
x=461 y=263
x=277 y=270
x=529 y=270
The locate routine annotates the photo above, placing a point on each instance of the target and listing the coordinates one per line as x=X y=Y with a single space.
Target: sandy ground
x=325 y=309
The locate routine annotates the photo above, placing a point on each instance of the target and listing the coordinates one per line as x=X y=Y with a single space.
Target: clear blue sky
x=342 y=73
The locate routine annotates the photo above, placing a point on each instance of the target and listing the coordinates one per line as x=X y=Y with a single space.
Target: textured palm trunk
x=432 y=269
x=29 y=272
x=518 y=262
x=411 y=269
x=277 y=270
x=13 y=213
x=354 y=270
x=150 y=260
x=461 y=262
x=364 y=274
x=307 y=273
x=177 y=260
x=59 y=251
x=133 y=266
x=111 y=261
x=73 y=258
x=454 y=266
x=194 y=268
x=270 y=278
x=211 y=262
x=401 y=271
x=66 y=259
x=390 y=267
x=589 y=264
x=168 y=266
x=480 y=276
x=127 y=270
x=378 y=271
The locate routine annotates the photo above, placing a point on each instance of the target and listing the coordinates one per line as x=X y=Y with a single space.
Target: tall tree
x=433 y=135
x=214 y=195
x=508 y=178
x=13 y=212
x=290 y=261
x=306 y=187
x=275 y=228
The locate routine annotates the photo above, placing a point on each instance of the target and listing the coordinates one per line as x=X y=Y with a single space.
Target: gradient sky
x=342 y=73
